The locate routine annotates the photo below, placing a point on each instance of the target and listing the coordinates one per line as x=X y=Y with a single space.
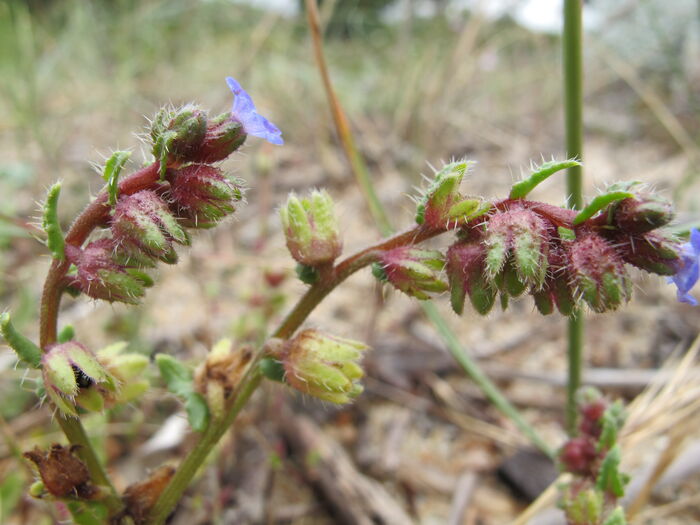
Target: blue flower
x=688 y=275
x=244 y=112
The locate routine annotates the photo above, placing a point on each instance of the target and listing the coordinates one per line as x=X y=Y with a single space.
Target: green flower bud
x=584 y=508
x=311 y=228
x=323 y=365
x=411 y=270
x=128 y=369
x=177 y=134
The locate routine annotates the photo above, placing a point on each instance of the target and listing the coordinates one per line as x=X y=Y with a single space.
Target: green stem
x=573 y=108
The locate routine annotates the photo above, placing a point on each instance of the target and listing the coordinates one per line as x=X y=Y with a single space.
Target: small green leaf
x=566 y=234
x=110 y=174
x=26 y=350
x=177 y=376
x=307 y=274
x=272 y=369
x=600 y=202
x=66 y=334
x=197 y=411
x=541 y=173
x=610 y=479
x=50 y=223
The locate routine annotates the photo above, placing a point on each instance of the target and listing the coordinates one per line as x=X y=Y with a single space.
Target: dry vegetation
x=421 y=444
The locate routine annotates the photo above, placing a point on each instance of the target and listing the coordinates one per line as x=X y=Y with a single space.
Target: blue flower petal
x=253 y=123
x=689 y=273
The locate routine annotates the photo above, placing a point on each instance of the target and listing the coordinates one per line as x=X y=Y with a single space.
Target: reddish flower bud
x=99 y=276
x=578 y=456
x=557 y=289
x=521 y=236
x=202 y=195
x=598 y=272
x=591 y=415
x=223 y=136
x=64 y=475
x=466 y=262
x=656 y=252
x=177 y=134
x=411 y=270
x=142 y=224
x=642 y=214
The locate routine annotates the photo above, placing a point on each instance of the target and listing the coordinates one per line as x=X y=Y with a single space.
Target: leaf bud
x=143 y=225
x=311 y=228
x=202 y=195
x=412 y=270
x=73 y=375
x=323 y=366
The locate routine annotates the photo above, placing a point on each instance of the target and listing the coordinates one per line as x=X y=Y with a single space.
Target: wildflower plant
x=497 y=249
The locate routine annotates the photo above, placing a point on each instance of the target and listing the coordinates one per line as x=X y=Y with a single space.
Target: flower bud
x=63 y=474
x=578 y=456
x=127 y=368
x=466 y=261
x=557 y=289
x=643 y=213
x=202 y=195
x=99 y=276
x=584 y=507
x=520 y=235
x=411 y=270
x=224 y=135
x=73 y=375
x=311 y=228
x=143 y=225
x=220 y=374
x=177 y=133
x=442 y=205
x=656 y=252
x=598 y=272
x=323 y=365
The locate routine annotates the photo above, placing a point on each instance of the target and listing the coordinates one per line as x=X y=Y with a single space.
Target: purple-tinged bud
x=202 y=195
x=657 y=252
x=177 y=134
x=412 y=270
x=142 y=224
x=466 y=263
x=557 y=289
x=598 y=272
x=323 y=365
x=224 y=135
x=73 y=375
x=63 y=474
x=579 y=456
x=518 y=235
x=642 y=214
x=311 y=228
x=443 y=206
x=99 y=276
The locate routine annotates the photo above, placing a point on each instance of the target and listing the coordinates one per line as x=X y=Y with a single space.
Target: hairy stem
x=573 y=109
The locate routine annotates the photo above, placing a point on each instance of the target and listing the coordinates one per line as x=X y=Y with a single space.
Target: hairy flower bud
x=143 y=225
x=584 y=507
x=63 y=474
x=99 y=276
x=323 y=365
x=598 y=272
x=311 y=228
x=641 y=214
x=177 y=133
x=202 y=195
x=557 y=289
x=518 y=235
x=412 y=270
x=224 y=135
x=466 y=262
x=73 y=375
x=656 y=252
x=578 y=456
x=127 y=368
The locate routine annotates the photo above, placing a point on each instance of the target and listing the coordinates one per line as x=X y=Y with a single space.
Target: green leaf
x=111 y=171
x=26 y=350
x=66 y=334
x=600 y=202
x=610 y=479
x=88 y=513
x=617 y=517
x=11 y=490
x=51 y=225
x=541 y=173
x=197 y=411
x=177 y=376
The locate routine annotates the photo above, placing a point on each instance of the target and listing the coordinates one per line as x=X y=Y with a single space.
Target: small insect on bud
x=311 y=228
x=99 y=276
x=412 y=270
x=177 y=134
x=466 y=261
x=518 y=236
x=202 y=195
x=323 y=365
x=63 y=474
x=143 y=225
x=73 y=375
x=442 y=205
x=220 y=374
x=598 y=272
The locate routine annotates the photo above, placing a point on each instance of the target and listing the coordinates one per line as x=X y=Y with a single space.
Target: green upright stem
x=573 y=108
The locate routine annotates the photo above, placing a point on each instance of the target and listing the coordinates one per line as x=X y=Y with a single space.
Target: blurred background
x=423 y=82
